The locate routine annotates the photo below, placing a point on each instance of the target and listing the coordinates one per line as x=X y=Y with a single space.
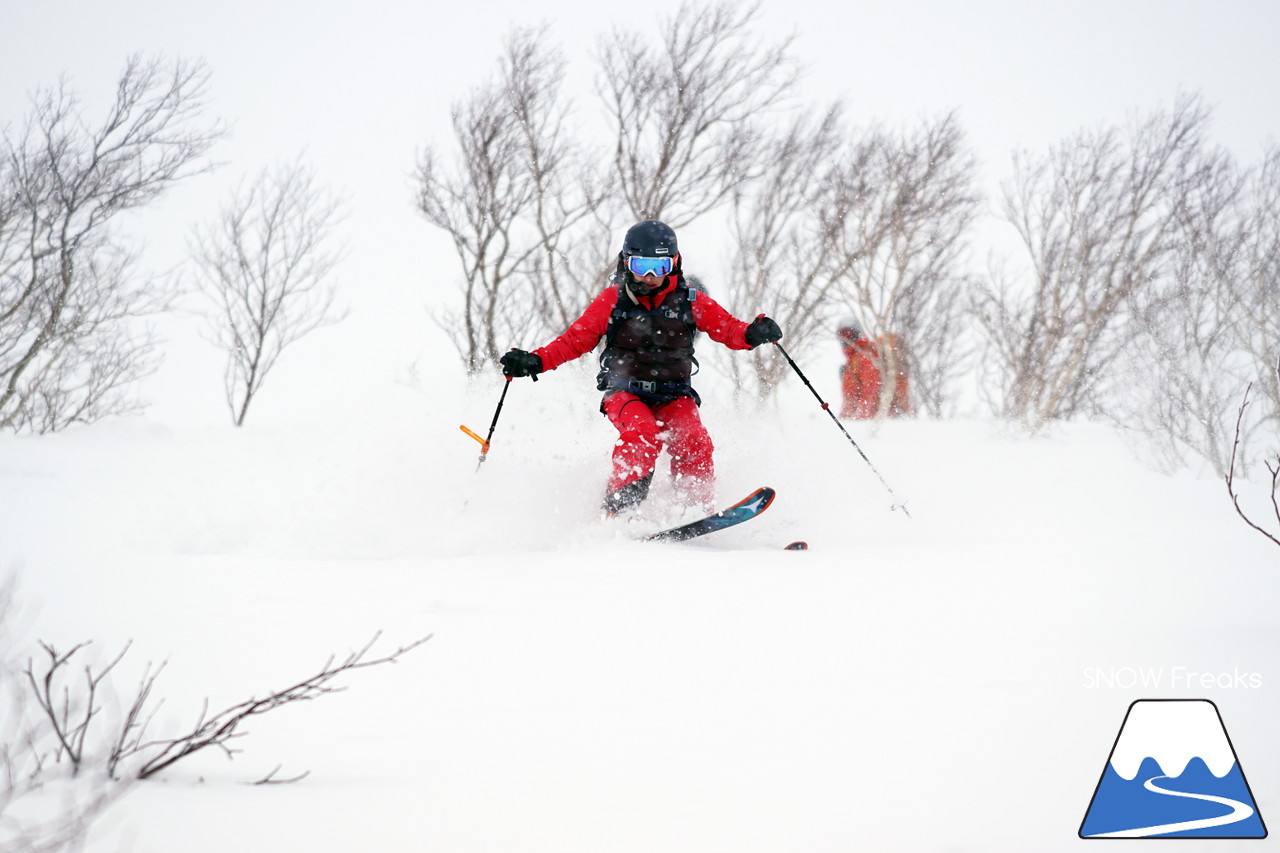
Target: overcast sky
x=359 y=86
x=292 y=71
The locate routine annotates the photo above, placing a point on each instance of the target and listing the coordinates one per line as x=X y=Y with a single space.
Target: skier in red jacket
x=648 y=315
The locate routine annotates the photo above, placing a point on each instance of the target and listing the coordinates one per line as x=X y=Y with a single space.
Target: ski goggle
x=640 y=267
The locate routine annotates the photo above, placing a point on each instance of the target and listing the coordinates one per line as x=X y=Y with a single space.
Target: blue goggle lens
x=649 y=266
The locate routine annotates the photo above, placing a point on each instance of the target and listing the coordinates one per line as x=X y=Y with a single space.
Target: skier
x=648 y=315
x=862 y=378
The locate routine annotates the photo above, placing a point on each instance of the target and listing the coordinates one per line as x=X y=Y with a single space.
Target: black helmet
x=848 y=331
x=650 y=239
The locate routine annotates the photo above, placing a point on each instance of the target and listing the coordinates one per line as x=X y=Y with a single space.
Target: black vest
x=650 y=352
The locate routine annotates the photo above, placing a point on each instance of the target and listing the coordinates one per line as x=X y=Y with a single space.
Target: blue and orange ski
x=744 y=510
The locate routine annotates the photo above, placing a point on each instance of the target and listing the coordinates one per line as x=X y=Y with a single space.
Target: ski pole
x=827 y=408
x=487 y=440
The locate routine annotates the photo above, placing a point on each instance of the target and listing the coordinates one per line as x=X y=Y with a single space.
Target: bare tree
x=70 y=294
x=782 y=243
x=516 y=189
x=568 y=193
x=477 y=204
x=909 y=201
x=691 y=108
x=1180 y=375
x=265 y=265
x=1098 y=218
x=533 y=211
x=1257 y=289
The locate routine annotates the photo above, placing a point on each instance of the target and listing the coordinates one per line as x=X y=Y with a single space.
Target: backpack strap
x=625 y=307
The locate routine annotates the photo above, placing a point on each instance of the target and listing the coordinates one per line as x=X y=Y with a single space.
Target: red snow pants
x=644 y=429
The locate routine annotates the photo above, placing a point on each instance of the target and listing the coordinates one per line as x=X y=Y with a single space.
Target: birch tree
x=1257 y=290
x=909 y=201
x=1179 y=380
x=510 y=200
x=784 y=251
x=1097 y=217
x=690 y=107
x=71 y=294
x=534 y=209
x=265 y=267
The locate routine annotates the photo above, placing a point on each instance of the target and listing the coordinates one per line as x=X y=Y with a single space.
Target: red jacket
x=584 y=333
x=862 y=380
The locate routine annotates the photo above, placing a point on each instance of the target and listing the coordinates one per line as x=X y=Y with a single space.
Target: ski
x=744 y=510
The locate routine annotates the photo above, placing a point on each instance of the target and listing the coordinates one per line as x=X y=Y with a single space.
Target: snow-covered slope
x=923 y=683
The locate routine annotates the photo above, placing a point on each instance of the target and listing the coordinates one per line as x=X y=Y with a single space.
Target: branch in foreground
x=69 y=708
x=270 y=778
x=221 y=728
x=69 y=724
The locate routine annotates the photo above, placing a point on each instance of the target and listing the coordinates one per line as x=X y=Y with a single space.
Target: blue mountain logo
x=1173 y=773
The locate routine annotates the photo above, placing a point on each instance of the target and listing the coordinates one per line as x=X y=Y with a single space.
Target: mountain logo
x=1172 y=773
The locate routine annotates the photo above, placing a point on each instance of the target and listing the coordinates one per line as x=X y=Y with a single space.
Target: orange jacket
x=862 y=379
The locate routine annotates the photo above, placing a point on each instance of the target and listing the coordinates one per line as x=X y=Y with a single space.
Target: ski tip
x=744 y=510
x=797 y=546
x=761 y=497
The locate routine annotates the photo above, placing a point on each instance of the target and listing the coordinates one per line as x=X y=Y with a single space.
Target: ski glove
x=521 y=363
x=762 y=331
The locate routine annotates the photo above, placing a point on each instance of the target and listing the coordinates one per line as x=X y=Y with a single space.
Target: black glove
x=762 y=331
x=521 y=363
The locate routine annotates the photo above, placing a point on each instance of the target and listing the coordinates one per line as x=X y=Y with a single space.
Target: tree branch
x=1231 y=473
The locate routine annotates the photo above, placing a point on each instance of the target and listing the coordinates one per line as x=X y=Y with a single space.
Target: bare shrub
x=1209 y=325
x=265 y=265
x=72 y=742
x=70 y=709
x=1098 y=217
x=43 y=807
x=1179 y=378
